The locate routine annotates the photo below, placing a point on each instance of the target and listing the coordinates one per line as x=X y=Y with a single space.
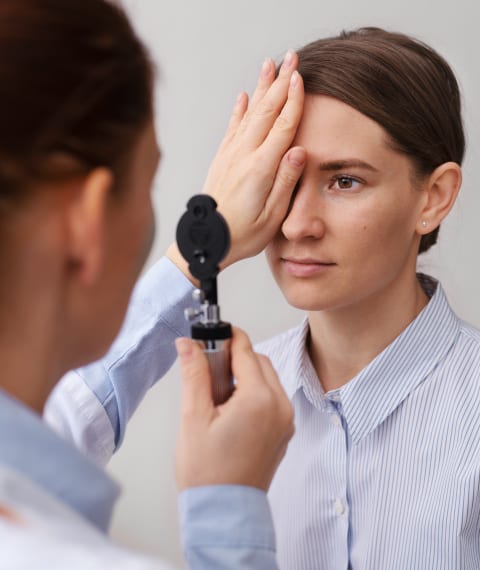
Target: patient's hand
x=254 y=173
x=242 y=441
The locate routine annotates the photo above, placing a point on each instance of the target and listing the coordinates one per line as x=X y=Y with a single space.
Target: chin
x=314 y=296
x=308 y=302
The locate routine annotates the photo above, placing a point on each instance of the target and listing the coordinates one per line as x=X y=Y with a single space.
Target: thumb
x=196 y=383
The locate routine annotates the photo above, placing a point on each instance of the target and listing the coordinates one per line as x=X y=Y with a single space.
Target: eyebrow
x=333 y=165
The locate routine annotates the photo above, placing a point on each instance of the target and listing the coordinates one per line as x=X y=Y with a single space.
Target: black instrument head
x=203 y=237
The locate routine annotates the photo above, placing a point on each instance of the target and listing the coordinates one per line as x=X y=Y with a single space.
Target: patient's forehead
x=333 y=130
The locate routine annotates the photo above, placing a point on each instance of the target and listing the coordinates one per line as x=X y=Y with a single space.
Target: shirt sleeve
x=92 y=405
x=24 y=548
x=227 y=526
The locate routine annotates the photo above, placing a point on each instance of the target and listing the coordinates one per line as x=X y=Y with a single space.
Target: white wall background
x=207 y=51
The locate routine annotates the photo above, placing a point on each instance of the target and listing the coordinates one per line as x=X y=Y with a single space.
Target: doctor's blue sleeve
x=144 y=350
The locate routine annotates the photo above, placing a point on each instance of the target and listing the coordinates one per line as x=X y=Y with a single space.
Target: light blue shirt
x=223 y=526
x=381 y=474
x=384 y=473
x=30 y=447
x=144 y=350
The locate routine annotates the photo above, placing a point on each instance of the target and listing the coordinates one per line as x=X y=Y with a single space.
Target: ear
x=86 y=217
x=441 y=192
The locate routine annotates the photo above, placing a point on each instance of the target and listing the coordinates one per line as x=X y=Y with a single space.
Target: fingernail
x=287 y=61
x=294 y=79
x=266 y=67
x=184 y=348
x=297 y=157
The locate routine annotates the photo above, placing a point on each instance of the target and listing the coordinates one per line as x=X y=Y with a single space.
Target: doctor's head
x=77 y=158
x=383 y=131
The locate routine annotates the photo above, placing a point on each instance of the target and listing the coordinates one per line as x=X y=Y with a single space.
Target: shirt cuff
x=226 y=515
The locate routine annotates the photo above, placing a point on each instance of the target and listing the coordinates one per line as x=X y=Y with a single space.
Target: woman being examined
x=384 y=468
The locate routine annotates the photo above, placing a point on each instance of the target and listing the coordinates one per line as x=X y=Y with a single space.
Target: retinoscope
x=203 y=239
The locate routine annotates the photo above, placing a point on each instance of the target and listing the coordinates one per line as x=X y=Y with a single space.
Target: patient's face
x=351 y=230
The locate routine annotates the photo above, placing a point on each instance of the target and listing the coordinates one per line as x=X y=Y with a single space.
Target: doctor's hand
x=242 y=441
x=255 y=171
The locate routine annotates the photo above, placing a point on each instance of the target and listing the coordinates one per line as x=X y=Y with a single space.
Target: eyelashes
x=294 y=194
x=340 y=183
x=345 y=182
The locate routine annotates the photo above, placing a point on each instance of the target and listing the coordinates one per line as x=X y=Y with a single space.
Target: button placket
x=336 y=421
x=339 y=507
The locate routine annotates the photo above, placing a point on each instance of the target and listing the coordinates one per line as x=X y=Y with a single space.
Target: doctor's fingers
x=197 y=403
x=284 y=410
x=258 y=388
x=246 y=368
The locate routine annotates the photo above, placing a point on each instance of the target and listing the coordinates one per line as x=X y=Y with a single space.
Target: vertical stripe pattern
x=384 y=473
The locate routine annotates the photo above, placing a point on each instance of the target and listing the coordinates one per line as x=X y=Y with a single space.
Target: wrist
x=174 y=255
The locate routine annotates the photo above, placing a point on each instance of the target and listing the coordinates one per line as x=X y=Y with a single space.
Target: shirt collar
x=291 y=363
x=30 y=447
x=371 y=396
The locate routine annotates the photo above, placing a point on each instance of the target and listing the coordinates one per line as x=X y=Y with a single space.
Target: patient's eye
x=344 y=182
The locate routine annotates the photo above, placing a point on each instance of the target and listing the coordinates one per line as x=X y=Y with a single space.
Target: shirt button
x=339 y=507
x=336 y=421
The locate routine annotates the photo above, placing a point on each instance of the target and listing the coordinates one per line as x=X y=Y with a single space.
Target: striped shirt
x=384 y=473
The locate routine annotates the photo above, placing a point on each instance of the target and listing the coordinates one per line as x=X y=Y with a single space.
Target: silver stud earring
x=424 y=223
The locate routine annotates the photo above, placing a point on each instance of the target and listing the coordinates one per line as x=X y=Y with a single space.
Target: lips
x=306 y=266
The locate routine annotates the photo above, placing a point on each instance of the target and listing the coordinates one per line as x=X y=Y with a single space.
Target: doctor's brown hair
x=75 y=91
x=400 y=83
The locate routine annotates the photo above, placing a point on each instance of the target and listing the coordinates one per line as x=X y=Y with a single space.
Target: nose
x=305 y=218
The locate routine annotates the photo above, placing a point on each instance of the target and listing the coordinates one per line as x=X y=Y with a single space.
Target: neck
x=24 y=375
x=30 y=329
x=343 y=341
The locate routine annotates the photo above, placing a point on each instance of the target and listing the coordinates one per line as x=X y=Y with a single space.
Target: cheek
x=377 y=232
x=272 y=252
x=149 y=234
x=144 y=229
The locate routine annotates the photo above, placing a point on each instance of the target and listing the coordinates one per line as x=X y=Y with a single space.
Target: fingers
x=196 y=386
x=269 y=373
x=238 y=113
x=266 y=78
x=262 y=116
x=288 y=174
x=245 y=365
x=254 y=370
x=285 y=126
x=277 y=402
x=273 y=381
